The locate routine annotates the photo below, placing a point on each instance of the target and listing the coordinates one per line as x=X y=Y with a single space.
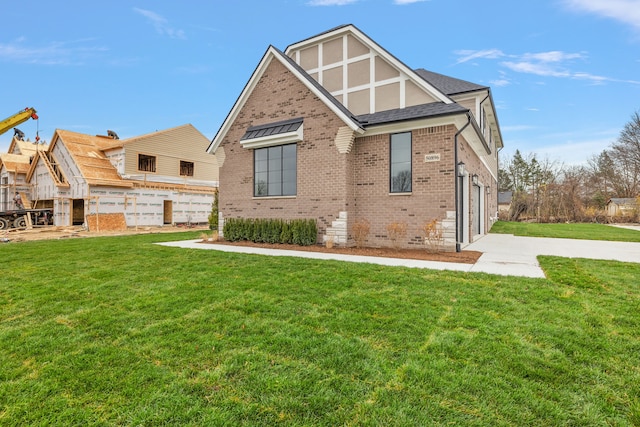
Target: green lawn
x=118 y=331
x=567 y=231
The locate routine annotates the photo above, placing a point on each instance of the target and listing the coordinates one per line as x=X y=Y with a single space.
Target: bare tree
x=625 y=152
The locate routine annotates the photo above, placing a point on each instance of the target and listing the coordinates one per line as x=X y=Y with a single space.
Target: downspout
x=455 y=174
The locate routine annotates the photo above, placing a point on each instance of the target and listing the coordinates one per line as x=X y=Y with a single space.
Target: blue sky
x=565 y=74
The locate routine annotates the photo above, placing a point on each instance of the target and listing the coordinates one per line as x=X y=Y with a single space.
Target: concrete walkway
x=503 y=254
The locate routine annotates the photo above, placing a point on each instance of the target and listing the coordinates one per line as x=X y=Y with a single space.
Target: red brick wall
x=432 y=187
x=322 y=171
x=330 y=182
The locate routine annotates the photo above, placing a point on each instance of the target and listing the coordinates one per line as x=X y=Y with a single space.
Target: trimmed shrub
x=286 y=235
x=303 y=232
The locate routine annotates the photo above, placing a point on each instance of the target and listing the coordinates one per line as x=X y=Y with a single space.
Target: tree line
x=551 y=192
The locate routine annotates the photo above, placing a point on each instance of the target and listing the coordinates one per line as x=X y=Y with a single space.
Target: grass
x=118 y=331
x=580 y=231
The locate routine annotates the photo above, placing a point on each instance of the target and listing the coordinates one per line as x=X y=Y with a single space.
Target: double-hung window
x=275 y=171
x=400 y=173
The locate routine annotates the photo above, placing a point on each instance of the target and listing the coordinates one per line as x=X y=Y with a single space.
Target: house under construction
x=151 y=180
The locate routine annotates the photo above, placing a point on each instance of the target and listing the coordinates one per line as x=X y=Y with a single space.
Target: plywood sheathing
x=17 y=163
x=87 y=154
x=106 y=222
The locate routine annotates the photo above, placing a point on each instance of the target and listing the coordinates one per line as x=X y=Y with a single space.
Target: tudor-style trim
x=379 y=50
x=271 y=54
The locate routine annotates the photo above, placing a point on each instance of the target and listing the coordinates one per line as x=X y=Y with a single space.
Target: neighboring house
x=337 y=129
x=155 y=179
x=504 y=200
x=14 y=167
x=622 y=206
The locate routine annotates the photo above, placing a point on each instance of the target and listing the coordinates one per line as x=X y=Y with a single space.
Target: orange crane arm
x=20 y=117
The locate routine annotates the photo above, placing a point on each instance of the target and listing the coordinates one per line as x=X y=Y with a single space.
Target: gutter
x=455 y=174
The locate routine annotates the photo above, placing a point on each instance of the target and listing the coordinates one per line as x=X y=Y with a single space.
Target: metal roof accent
x=271 y=129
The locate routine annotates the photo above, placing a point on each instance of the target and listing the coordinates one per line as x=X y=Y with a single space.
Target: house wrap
x=159 y=178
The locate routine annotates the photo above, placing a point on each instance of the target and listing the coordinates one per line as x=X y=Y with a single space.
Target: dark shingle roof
x=505 y=197
x=433 y=109
x=448 y=85
x=270 y=129
x=623 y=200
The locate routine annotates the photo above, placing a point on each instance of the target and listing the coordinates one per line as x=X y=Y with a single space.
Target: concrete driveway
x=511 y=255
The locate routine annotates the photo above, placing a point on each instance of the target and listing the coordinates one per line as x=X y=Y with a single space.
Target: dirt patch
x=465 y=257
x=52 y=232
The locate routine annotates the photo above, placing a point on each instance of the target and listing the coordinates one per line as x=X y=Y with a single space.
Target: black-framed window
x=400 y=170
x=146 y=163
x=186 y=168
x=275 y=171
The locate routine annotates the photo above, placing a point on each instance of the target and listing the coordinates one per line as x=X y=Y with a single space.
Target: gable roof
x=381 y=51
x=272 y=54
x=87 y=154
x=18 y=163
x=439 y=86
x=27 y=148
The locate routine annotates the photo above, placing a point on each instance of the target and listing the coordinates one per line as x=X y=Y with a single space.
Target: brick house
x=337 y=129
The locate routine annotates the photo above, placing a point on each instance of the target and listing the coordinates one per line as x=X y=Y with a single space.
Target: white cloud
x=469 y=55
x=554 y=63
x=75 y=52
x=161 y=24
x=539 y=69
x=627 y=11
x=552 y=56
x=500 y=82
x=330 y=2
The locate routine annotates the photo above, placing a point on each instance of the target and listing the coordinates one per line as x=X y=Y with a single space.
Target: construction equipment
x=20 y=218
x=20 y=117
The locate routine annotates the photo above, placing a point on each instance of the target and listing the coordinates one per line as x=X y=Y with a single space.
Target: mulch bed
x=464 y=257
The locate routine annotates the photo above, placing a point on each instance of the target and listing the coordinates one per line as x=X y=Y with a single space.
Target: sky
x=564 y=74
